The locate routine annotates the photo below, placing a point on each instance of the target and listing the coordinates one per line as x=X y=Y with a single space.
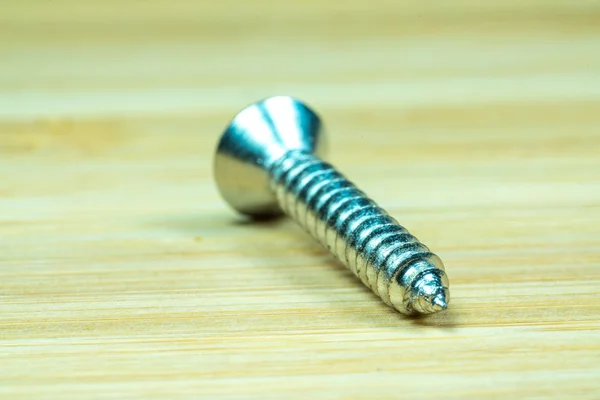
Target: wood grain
x=124 y=275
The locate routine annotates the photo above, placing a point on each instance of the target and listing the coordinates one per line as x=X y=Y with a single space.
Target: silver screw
x=268 y=161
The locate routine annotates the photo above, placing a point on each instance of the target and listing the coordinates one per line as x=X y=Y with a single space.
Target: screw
x=267 y=162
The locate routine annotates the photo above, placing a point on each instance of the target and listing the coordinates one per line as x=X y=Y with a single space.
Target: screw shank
x=359 y=233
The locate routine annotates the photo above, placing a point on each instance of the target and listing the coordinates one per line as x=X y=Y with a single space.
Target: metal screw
x=268 y=161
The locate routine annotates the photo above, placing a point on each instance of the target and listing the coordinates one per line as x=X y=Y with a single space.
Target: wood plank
x=124 y=275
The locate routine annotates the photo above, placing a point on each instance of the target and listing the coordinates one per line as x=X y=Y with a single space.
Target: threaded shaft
x=355 y=230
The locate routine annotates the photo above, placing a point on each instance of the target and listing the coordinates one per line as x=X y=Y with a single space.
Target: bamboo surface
x=124 y=275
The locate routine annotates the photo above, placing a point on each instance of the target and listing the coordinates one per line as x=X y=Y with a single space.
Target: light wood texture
x=124 y=275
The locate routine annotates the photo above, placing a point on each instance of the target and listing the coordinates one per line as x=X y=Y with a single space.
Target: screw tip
x=429 y=294
x=431 y=304
x=439 y=302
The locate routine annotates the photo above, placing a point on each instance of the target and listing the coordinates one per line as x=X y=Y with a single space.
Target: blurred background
x=116 y=57
x=475 y=122
x=466 y=80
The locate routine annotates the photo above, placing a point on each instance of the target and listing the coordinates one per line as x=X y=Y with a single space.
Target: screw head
x=256 y=137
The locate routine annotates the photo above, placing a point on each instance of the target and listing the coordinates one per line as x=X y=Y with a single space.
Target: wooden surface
x=124 y=275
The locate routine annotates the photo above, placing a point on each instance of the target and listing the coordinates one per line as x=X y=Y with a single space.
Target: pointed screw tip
x=439 y=303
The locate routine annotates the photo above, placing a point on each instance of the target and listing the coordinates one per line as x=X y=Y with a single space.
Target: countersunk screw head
x=256 y=137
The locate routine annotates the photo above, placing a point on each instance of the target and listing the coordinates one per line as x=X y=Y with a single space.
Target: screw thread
x=354 y=229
